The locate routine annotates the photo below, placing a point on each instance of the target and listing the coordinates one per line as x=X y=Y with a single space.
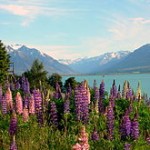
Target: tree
x=55 y=78
x=36 y=75
x=4 y=62
x=70 y=82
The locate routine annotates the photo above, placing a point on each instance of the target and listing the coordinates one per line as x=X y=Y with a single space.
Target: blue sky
x=76 y=28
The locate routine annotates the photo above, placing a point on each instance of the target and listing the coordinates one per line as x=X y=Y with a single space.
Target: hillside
x=23 y=57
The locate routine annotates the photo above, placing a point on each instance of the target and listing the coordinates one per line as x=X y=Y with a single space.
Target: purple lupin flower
x=38 y=106
x=69 y=89
x=96 y=94
x=81 y=103
x=13 y=145
x=25 y=85
x=102 y=90
x=119 y=92
x=57 y=94
x=130 y=109
x=1 y=93
x=125 y=128
x=26 y=100
x=67 y=104
x=112 y=101
x=135 y=127
x=77 y=103
x=40 y=118
x=101 y=96
x=38 y=100
x=127 y=146
x=22 y=79
x=113 y=90
x=129 y=95
x=110 y=121
x=84 y=104
x=95 y=135
x=17 y=85
x=13 y=124
x=4 y=105
x=53 y=114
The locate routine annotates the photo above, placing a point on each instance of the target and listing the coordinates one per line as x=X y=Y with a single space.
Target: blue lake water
x=144 y=80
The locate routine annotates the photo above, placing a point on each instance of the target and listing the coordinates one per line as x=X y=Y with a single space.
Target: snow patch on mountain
x=16 y=46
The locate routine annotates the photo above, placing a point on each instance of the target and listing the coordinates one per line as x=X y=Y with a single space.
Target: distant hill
x=23 y=57
x=99 y=63
x=137 y=61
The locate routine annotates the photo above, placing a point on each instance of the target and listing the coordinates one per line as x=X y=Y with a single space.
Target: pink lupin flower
x=31 y=105
x=25 y=114
x=19 y=104
x=88 y=95
x=83 y=140
x=77 y=146
x=8 y=97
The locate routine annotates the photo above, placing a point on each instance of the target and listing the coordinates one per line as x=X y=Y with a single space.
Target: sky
x=69 y=29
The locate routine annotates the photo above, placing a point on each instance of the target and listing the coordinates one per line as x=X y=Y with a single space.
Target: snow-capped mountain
x=66 y=61
x=136 y=62
x=71 y=61
x=98 y=63
x=15 y=46
x=113 y=62
x=23 y=57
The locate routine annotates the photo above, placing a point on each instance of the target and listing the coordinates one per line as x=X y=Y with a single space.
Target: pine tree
x=36 y=75
x=4 y=62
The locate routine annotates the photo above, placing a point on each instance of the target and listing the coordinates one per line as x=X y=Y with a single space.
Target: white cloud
x=140 y=20
x=19 y=10
x=31 y=10
x=130 y=29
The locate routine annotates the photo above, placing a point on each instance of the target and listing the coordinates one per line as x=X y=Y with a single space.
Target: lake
x=144 y=80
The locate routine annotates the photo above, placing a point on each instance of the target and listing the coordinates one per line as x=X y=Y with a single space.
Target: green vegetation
x=36 y=75
x=4 y=63
x=33 y=134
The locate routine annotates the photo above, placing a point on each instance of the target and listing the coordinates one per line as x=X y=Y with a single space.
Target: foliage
x=36 y=75
x=70 y=82
x=4 y=62
x=55 y=78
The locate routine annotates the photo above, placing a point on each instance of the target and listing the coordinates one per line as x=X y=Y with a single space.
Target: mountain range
x=137 y=61
x=23 y=57
x=99 y=63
